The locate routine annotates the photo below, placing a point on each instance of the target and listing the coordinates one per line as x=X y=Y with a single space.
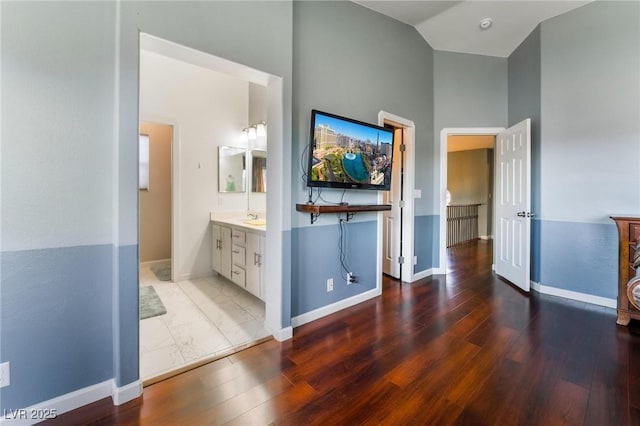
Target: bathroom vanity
x=238 y=252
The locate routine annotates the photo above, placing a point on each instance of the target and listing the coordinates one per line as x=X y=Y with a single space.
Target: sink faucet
x=253 y=216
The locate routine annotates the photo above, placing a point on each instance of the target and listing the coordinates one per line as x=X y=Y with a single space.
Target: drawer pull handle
x=236 y=251
x=235 y=272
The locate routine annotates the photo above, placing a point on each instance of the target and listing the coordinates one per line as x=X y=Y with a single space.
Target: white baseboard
x=57 y=406
x=333 y=308
x=282 y=334
x=486 y=237
x=68 y=402
x=153 y=262
x=574 y=295
x=424 y=274
x=126 y=393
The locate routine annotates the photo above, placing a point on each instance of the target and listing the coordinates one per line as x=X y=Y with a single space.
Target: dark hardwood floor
x=468 y=349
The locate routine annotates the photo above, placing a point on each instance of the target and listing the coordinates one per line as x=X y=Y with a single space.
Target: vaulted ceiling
x=455 y=25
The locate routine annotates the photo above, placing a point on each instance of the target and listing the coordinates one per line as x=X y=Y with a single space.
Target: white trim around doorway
x=176 y=214
x=444 y=136
x=278 y=184
x=409 y=206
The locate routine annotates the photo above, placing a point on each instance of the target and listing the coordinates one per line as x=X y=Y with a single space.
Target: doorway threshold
x=203 y=361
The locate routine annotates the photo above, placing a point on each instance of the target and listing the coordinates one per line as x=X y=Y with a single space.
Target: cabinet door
x=254 y=264
x=238 y=254
x=215 y=247
x=225 y=252
x=238 y=275
x=261 y=258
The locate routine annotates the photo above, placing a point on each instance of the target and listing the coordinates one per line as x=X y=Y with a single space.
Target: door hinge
x=401 y=260
x=403 y=148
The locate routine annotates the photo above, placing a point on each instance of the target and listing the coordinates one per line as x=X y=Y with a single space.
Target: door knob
x=521 y=214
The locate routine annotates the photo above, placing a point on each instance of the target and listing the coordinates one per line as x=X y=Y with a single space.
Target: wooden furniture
x=629 y=234
x=633 y=287
x=350 y=209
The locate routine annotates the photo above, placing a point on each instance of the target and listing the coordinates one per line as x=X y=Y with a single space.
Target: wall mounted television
x=347 y=153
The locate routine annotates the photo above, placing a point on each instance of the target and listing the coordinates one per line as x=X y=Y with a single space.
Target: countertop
x=257 y=226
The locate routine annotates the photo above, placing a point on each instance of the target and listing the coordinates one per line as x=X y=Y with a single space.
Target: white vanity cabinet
x=221 y=243
x=238 y=254
x=255 y=261
x=238 y=257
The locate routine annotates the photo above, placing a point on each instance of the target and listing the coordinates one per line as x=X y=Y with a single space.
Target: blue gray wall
x=69 y=285
x=524 y=102
x=590 y=143
x=68 y=262
x=354 y=62
x=56 y=207
x=469 y=91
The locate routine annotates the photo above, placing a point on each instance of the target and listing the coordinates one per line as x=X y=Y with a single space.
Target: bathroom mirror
x=258 y=171
x=232 y=169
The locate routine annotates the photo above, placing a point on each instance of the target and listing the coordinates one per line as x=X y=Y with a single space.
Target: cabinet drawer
x=634 y=232
x=238 y=237
x=238 y=275
x=238 y=255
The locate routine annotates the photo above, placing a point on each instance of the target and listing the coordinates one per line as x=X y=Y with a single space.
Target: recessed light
x=486 y=23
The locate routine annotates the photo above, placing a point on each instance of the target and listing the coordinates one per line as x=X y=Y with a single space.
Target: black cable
x=303 y=166
x=341 y=248
x=330 y=202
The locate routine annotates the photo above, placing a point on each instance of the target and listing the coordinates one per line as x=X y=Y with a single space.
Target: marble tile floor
x=205 y=317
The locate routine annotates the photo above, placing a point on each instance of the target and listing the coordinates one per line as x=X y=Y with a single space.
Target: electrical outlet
x=5 y=374
x=351 y=278
x=415 y=260
x=329 y=285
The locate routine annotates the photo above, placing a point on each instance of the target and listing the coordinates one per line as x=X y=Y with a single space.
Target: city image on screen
x=348 y=153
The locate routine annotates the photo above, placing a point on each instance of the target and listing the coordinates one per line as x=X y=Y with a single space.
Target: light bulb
x=261 y=130
x=252 y=133
x=244 y=136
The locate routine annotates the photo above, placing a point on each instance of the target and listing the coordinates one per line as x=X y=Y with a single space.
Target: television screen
x=347 y=153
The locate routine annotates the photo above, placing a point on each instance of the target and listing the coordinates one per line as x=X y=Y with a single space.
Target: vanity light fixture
x=244 y=136
x=261 y=129
x=252 y=133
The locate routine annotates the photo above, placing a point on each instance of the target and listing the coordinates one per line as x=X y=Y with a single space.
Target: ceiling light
x=486 y=23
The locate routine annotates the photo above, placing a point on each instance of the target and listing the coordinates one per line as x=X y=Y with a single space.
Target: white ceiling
x=454 y=26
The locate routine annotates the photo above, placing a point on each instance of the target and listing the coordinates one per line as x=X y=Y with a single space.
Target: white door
x=391 y=218
x=513 y=204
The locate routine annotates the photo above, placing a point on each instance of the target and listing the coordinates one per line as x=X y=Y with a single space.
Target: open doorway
x=511 y=200
x=395 y=228
x=209 y=102
x=155 y=194
x=470 y=170
x=463 y=140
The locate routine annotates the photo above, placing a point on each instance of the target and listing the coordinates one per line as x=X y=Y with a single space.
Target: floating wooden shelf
x=350 y=209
